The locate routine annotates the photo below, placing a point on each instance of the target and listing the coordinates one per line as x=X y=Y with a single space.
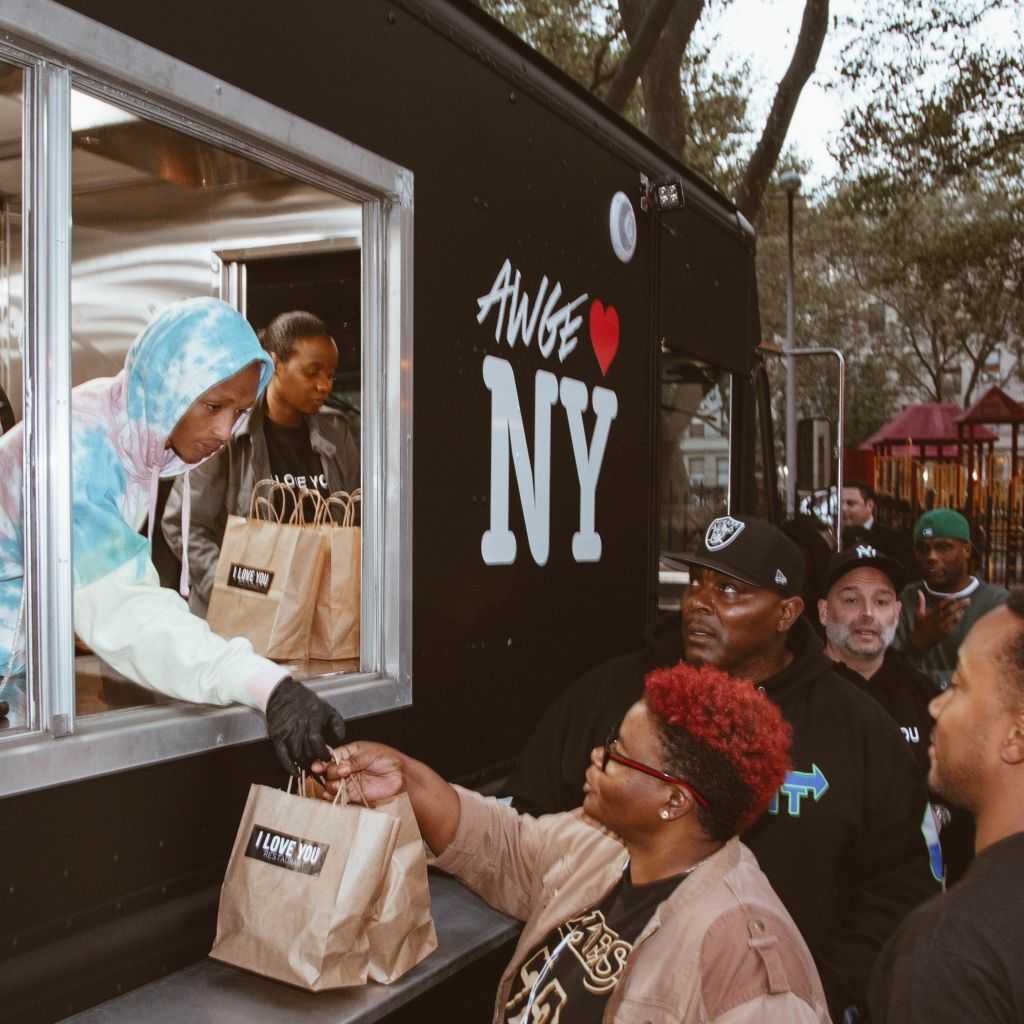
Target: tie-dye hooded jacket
x=119 y=432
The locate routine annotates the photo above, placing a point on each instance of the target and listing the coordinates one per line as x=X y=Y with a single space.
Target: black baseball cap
x=753 y=551
x=864 y=556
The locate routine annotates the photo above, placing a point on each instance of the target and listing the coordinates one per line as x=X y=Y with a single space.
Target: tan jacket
x=721 y=948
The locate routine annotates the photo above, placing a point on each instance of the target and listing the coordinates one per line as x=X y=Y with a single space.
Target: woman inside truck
x=289 y=437
x=187 y=382
x=643 y=904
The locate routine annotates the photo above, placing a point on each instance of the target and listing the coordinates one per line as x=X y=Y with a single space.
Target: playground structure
x=936 y=454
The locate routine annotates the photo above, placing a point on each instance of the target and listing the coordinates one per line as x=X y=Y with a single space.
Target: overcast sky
x=765 y=32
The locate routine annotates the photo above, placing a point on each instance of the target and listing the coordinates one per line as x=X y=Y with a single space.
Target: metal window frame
x=63 y=49
x=234 y=263
x=669 y=577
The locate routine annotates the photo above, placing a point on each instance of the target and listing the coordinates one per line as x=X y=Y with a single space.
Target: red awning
x=930 y=423
x=995 y=406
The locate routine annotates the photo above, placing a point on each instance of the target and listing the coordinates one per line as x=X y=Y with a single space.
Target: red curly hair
x=702 y=709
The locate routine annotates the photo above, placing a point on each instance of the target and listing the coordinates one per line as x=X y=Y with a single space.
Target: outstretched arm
x=378 y=772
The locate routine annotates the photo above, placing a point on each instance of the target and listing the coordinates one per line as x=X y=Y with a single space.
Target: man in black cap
x=860 y=612
x=841 y=843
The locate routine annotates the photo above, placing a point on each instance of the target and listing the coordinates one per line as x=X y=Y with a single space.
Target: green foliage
x=832 y=310
x=717 y=101
x=920 y=296
x=938 y=88
x=586 y=40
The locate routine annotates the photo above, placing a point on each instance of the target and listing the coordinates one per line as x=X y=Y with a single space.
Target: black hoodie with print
x=842 y=843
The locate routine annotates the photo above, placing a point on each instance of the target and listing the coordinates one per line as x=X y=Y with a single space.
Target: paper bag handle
x=343 y=788
x=273 y=513
x=346 y=501
x=316 y=499
x=342 y=793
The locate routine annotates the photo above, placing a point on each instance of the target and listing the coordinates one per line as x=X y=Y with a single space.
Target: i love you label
x=284 y=851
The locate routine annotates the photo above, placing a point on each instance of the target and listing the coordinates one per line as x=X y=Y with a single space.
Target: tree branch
x=641 y=47
x=805 y=58
x=663 y=100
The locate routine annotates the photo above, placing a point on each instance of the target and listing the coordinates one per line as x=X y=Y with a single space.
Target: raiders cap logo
x=780 y=578
x=866 y=551
x=721 y=532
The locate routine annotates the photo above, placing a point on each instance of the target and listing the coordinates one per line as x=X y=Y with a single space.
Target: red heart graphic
x=604 y=334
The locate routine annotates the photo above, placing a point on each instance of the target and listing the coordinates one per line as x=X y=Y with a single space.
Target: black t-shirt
x=958 y=957
x=579 y=963
x=293 y=461
x=906 y=693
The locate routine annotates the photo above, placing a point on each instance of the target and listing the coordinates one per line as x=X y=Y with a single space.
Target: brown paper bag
x=324 y=896
x=268 y=576
x=335 y=631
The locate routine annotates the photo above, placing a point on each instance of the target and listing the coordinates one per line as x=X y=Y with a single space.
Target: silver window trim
x=47 y=448
x=73 y=49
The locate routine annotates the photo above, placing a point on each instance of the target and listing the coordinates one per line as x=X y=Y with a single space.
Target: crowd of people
x=753 y=818
x=823 y=770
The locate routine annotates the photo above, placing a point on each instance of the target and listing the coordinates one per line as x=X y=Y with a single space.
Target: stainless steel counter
x=210 y=992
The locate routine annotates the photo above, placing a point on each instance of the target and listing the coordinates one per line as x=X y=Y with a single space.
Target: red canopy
x=933 y=424
x=995 y=406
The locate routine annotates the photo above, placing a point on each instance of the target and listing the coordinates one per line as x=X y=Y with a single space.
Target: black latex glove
x=302 y=727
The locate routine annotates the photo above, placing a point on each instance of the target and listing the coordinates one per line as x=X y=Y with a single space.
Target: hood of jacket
x=189 y=348
x=809 y=662
x=121 y=425
x=665 y=647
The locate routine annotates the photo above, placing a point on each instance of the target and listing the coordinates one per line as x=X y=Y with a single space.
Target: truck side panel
x=123 y=879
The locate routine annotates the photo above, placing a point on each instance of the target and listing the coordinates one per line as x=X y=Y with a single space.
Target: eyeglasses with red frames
x=612 y=754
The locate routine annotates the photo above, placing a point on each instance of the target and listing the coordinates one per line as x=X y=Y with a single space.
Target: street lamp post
x=790 y=181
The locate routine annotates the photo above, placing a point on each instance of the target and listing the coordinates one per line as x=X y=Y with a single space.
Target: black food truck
x=548 y=337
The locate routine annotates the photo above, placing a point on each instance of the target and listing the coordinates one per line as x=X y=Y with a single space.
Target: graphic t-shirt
x=574 y=970
x=293 y=461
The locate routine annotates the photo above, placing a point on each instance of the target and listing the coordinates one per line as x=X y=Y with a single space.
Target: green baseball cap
x=942 y=522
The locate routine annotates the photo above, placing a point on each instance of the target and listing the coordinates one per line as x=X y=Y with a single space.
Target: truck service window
x=695 y=450
x=159 y=217
x=17 y=695
x=166 y=196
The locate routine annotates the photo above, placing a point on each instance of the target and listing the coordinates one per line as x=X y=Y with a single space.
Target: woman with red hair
x=643 y=905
